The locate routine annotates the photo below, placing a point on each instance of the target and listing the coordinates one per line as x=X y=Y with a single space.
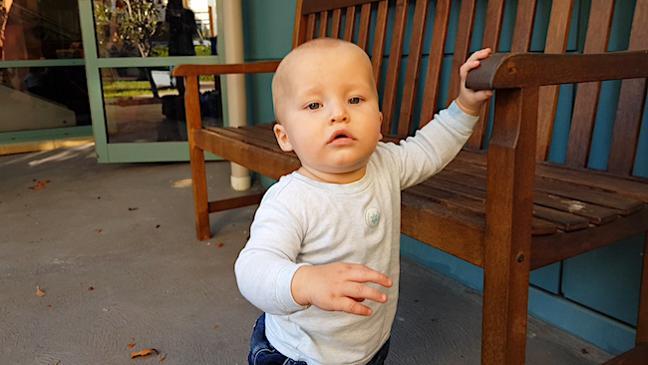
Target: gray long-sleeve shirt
x=301 y=221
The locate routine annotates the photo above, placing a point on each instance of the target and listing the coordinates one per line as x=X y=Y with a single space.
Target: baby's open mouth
x=340 y=136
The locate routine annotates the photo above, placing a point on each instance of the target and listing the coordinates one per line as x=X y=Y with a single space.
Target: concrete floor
x=113 y=248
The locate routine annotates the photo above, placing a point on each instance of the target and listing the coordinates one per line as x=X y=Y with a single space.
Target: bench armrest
x=236 y=68
x=520 y=70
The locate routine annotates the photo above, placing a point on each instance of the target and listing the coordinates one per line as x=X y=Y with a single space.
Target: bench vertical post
x=197 y=157
x=507 y=240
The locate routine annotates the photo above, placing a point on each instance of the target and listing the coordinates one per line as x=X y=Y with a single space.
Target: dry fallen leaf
x=39 y=292
x=162 y=357
x=39 y=185
x=98 y=230
x=131 y=345
x=144 y=353
x=221 y=244
x=183 y=183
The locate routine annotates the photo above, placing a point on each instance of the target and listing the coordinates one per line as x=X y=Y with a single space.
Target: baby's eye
x=314 y=106
x=355 y=100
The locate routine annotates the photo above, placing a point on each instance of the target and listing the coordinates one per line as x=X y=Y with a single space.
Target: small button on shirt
x=372 y=217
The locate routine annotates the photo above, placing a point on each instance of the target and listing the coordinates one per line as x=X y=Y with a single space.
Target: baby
x=322 y=260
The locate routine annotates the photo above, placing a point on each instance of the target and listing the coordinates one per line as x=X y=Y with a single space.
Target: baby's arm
x=265 y=267
x=439 y=141
x=269 y=277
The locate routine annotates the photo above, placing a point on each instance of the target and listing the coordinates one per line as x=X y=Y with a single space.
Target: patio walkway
x=112 y=247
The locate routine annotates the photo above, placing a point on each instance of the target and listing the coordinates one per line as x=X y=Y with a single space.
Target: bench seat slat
x=461 y=186
x=564 y=221
x=631 y=187
x=569 y=190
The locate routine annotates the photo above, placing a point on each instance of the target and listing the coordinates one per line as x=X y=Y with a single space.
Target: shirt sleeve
x=433 y=146
x=265 y=267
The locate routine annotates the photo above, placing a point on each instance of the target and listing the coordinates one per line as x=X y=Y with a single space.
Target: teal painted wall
x=595 y=295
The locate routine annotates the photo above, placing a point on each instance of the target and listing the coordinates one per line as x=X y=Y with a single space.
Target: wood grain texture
x=557 y=36
x=336 y=23
x=349 y=23
x=466 y=19
x=524 y=70
x=507 y=240
x=437 y=47
x=310 y=27
x=625 y=135
x=197 y=158
x=323 y=23
x=300 y=27
x=379 y=40
x=365 y=21
x=412 y=72
x=584 y=114
x=393 y=70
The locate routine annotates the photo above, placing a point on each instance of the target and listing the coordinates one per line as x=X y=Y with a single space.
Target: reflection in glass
x=43 y=97
x=155 y=28
x=135 y=114
x=39 y=29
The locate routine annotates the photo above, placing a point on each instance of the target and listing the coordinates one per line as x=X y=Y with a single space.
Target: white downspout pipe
x=236 y=100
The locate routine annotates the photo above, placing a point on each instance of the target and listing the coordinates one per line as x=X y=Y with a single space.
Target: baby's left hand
x=468 y=100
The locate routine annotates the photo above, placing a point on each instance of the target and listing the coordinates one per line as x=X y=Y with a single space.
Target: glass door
x=43 y=88
x=131 y=47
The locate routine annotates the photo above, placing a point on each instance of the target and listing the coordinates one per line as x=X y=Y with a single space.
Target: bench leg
x=197 y=157
x=642 y=321
x=201 y=203
x=504 y=321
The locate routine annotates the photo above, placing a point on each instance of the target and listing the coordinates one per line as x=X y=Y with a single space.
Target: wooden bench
x=503 y=208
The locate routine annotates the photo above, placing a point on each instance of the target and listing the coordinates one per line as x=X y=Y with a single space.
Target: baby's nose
x=339 y=118
x=339 y=115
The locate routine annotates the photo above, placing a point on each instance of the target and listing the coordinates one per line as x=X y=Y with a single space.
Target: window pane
x=145 y=104
x=43 y=97
x=155 y=28
x=43 y=29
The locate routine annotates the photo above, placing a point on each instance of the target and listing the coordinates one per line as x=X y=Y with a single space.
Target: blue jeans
x=262 y=352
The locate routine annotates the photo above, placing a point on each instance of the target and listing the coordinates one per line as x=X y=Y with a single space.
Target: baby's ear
x=380 y=136
x=282 y=137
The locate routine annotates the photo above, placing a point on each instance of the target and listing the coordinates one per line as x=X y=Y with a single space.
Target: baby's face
x=328 y=111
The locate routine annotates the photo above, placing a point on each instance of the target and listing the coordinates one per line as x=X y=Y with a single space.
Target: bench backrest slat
x=466 y=19
x=323 y=23
x=365 y=21
x=625 y=136
x=335 y=26
x=349 y=23
x=435 y=59
x=587 y=94
x=413 y=64
x=310 y=28
x=524 y=21
x=556 y=42
x=393 y=69
x=378 y=49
